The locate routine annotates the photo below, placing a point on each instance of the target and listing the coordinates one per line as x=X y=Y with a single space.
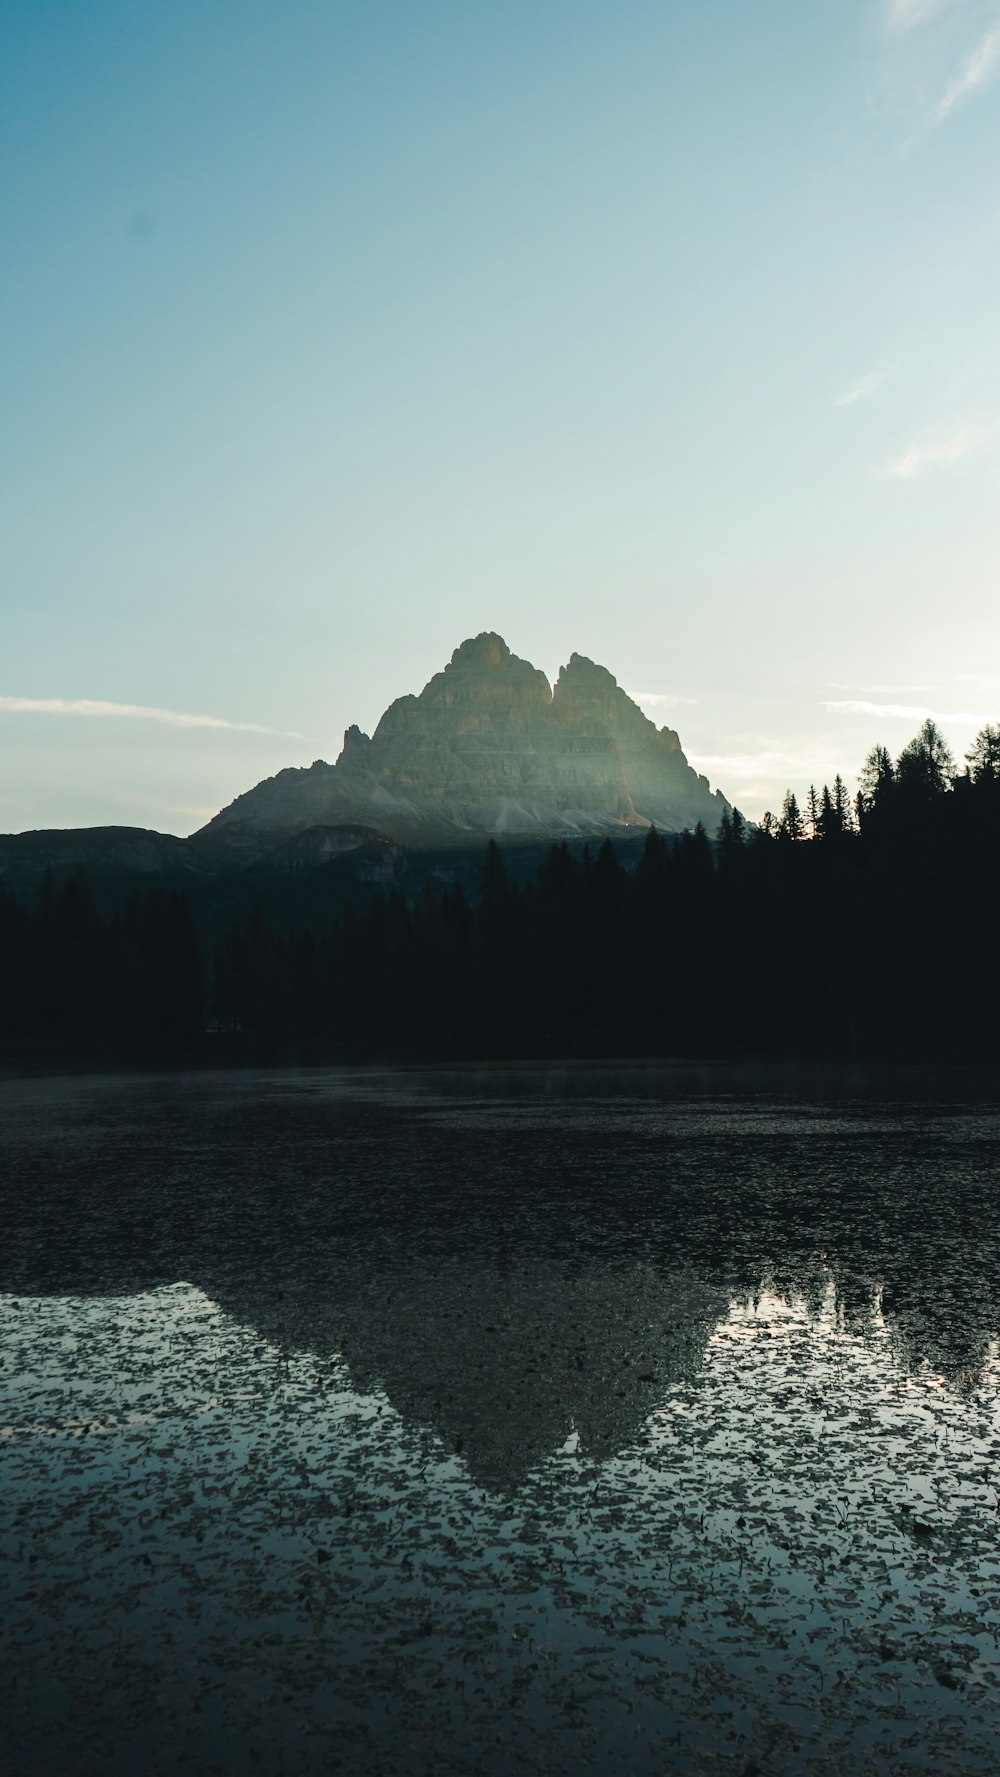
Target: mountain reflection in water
x=684 y=1410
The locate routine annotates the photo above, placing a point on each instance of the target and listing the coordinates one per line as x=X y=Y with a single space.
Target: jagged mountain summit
x=489 y=747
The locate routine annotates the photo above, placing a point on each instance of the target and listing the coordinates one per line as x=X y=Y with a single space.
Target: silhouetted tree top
x=791 y=825
x=878 y=774
x=983 y=757
x=926 y=763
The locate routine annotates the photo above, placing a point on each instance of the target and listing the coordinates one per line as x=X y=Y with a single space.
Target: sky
x=334 y=333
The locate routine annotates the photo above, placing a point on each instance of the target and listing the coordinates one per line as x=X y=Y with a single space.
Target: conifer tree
x=926 y=765
x=878 y=775
x=790 y=826
x=983 y=757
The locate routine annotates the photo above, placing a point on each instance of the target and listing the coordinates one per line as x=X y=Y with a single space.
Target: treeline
x=70 y=978
x=841 y=929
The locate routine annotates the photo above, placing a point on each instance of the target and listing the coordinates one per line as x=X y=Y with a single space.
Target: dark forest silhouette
x=836 y=931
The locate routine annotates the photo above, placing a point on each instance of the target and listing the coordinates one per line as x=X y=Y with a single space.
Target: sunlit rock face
x=489 y=747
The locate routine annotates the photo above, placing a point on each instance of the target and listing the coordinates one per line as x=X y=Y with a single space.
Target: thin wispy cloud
x=982 y=67
x=88 y=706
x=756 y=771
x=659 y=700
x=989 y=680
x=905 y=15
x=765 y=763
x=863 y=389
x=937 y=454
x=893 y=690
x=941 y=686
x=904 y=712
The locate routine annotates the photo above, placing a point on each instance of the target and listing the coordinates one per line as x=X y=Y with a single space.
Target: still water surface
x=414 y=1423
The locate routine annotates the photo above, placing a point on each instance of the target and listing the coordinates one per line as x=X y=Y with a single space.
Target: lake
x=505 y=1422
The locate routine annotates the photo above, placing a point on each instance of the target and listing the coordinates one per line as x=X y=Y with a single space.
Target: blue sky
x=335 y=333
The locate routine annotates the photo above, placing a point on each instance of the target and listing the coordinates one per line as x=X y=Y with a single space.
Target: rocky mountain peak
x=480 y=652
x=488 y=746
x=580 y=667
x=356 y=750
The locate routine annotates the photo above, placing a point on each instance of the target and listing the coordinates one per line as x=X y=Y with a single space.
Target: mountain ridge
x=489 y=748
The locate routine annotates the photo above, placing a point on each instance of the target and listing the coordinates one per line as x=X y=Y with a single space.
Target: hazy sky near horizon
x=335 y=333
